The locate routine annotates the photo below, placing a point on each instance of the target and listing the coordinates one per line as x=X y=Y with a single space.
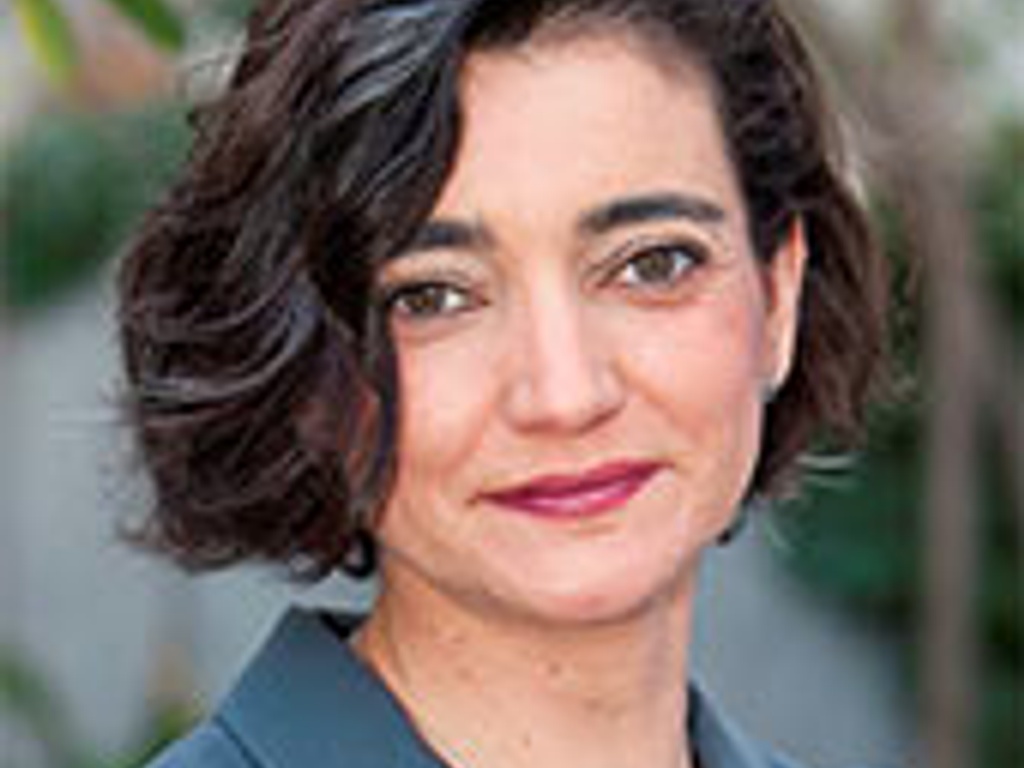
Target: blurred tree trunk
x=912 y=111
x=11 y=746
x=934 y=197
x=9 y=570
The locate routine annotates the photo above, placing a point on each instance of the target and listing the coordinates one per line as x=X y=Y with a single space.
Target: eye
x=657 y=266
x=425 y=301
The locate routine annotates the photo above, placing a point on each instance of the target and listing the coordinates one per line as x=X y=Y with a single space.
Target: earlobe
x=784 y=283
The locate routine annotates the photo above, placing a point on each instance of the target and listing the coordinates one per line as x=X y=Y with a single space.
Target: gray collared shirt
x=307 y=701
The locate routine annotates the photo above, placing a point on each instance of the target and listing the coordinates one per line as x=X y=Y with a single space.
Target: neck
x=607 y=695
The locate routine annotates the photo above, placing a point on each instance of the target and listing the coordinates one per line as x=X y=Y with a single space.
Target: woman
x=529 y=299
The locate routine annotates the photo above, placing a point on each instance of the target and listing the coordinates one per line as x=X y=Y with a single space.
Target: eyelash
x=397 y=300
x=450 y=299
x=686 y=257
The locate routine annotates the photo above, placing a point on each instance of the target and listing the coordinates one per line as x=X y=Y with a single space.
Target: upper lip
x=568 y=484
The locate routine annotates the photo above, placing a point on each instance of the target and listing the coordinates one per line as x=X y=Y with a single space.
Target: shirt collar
x=307 y=699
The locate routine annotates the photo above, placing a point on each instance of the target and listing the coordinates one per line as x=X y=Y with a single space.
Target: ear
x=784 y=279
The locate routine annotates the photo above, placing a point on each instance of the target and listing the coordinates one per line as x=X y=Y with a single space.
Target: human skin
x=532 y=342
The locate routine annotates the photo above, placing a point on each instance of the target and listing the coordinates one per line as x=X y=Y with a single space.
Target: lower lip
x=588 y=501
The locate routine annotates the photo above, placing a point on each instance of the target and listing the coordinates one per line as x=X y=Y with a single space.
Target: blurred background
x=879 y=621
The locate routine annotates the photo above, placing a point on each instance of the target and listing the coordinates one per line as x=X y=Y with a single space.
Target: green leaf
x=49 y=37
x=25 y=697
x=156 y=19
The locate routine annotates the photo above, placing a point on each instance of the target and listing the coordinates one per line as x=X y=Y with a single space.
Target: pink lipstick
x=575 y=496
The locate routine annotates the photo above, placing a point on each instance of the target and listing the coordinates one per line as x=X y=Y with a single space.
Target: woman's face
x=584 y=339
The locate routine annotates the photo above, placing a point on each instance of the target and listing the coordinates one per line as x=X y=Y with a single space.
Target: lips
x=587 y=494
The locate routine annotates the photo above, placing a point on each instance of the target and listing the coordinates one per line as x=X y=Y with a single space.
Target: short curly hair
x=261 y=379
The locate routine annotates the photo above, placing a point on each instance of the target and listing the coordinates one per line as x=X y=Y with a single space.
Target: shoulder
x=210 y=745
x=304 y=699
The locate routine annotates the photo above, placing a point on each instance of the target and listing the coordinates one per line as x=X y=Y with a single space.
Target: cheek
x=702 y=374
x=444 y=409
x=705 y=360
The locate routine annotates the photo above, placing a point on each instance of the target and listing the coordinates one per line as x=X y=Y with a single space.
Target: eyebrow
x=646 y=208
x=452 y=234
x=444 y=234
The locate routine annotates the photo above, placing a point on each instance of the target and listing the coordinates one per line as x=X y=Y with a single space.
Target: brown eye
x=658 y=267
x=426 y=301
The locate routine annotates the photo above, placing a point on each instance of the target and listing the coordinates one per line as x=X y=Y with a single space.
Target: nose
x=564 y=375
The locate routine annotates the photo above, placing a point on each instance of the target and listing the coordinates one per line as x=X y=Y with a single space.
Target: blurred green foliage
x=158 y=19
x=28 y=702
x=46 y=29
x=999 y=202
x=73 y=185
x=48 y=34
x=857 y=537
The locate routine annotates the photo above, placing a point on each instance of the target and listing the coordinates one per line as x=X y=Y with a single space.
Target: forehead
x=568 y=117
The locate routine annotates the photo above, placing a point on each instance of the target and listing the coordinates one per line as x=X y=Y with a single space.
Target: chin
x=610 y=596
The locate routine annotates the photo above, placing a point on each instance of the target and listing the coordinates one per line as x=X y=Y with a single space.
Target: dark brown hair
x=260 y=374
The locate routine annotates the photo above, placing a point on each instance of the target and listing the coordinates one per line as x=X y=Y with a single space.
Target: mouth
x=575 y=496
